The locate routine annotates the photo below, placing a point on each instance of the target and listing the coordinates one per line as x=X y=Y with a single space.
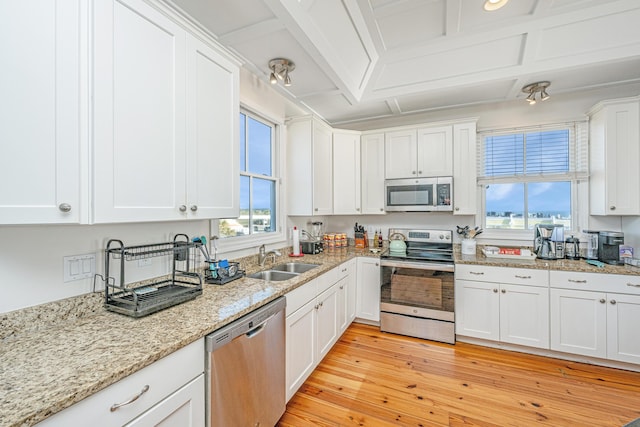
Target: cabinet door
x=372 y=174
x=139 y=114
x=368 y=289
x=184 y=408
x=322 y=171
x=465 y=188
x=400 y=150
x=301 y=346
x=623 y=318
x=351 y=285
x=524 y=315
x=327 y=322
x=477 y=309
x=212 y=133
x=578 y=322
x=40 y=121
x=435 y=151
x=343 y=315
x=346 y=174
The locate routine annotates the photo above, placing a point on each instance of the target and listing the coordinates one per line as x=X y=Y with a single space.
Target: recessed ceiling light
x=491 y=5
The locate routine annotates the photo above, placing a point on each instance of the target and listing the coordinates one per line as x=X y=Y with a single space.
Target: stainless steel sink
x=273 y=275
x=294 y=267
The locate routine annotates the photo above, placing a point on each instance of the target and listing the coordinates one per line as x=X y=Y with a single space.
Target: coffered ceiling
x=362 y=59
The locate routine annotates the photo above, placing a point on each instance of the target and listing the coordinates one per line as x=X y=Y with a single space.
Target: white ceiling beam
x=251 y=32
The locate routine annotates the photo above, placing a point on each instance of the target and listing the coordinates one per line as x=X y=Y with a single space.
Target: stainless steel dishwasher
x=246 y=369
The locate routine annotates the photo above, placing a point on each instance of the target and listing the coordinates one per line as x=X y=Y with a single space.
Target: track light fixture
x=280 y=69
x=538 y=88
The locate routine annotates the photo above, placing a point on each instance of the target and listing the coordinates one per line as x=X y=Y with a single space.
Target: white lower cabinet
x=316 y=315
x=168 y=400
x=368 y=289
x=503 y=304
x=596 y=315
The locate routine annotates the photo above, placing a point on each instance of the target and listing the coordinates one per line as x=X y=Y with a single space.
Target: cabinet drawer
x=599 y=282
x=300 y=296
x=184 y=365
x=516 y=276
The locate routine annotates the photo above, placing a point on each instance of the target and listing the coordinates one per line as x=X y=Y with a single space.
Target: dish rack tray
x=221 y=274
x=140 y=299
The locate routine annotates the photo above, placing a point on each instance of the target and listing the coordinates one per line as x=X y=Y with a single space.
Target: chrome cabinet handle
x=64 y=207
x=377 y=264
x=477 y=273
x=613 y=208
x=381 y=209
x=182 y=208
x=577 y=281
x=413 y=172
x=635 y=285
x=194 y=208
x=316 y=209
x=523 y=277
x=357 y=209
x=602 y=300
x=116 y=406
x=419 y=172
x=495 y=291
x=342 y=287
x=504 y=291
x=613 y=302
x=457 y=209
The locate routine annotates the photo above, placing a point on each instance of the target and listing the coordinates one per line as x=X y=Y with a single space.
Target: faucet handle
x=262 y=249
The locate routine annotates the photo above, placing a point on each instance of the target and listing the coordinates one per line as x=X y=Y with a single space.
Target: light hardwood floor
x=371 y=378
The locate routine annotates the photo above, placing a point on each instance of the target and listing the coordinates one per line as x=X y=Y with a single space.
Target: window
x=258 y=189
x=531 y=176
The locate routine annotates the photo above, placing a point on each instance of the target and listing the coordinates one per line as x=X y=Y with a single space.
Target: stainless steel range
x=417 y=285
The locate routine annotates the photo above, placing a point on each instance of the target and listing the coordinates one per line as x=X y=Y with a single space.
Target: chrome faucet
x=263 y=255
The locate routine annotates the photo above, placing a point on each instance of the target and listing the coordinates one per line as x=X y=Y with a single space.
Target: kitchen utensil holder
x=142 y=298
x=221 y=275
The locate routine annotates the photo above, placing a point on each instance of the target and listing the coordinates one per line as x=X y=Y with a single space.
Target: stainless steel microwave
x=419 y=194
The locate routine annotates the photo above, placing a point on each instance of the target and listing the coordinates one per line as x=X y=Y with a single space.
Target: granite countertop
x=57 y=354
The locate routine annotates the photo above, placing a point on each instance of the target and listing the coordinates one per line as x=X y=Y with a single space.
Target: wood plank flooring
x=371 y=378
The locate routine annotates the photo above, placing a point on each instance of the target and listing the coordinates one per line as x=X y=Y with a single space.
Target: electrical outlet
x=79 y=267
x=144 y=262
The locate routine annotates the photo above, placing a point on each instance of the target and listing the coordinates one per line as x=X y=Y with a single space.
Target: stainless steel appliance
x=609 y=246
x=591 y=250
x=311 y=247
x=417 y=297
x=548 y=242
x=246 y=369
x=419 y=194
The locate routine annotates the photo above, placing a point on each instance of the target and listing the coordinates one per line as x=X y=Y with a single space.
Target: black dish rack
x=182 y=284
x=221 y=272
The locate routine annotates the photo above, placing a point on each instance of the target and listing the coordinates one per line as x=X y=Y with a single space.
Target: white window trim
x=279 y=236
x=579 y=187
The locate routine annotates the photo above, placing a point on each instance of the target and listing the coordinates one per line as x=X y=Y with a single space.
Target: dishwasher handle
x=256 y=331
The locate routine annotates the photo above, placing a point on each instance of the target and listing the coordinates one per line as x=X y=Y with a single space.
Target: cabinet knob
x=377 y=264
x=613 y=302
x=64 y=207
x=413 y=172
x=419 y=172
x=504 y=291
x=342 y=287
x=357 y=209
x=602 y=300
x=182 y=208
x=613 y=208
x=457 y=209
x=495 y=291
x=316 y=209
x=194 y=208
x=381 y=209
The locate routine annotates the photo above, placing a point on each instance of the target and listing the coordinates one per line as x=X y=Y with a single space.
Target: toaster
x=311 y=247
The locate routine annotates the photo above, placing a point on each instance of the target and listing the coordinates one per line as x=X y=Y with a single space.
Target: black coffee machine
x=609 y=246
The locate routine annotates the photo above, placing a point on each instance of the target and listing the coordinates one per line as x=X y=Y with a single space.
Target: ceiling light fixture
x=491 y=5
x=536 y=88
x=280 y=69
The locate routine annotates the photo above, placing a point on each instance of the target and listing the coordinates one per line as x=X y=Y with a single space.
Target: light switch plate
x=78 y=267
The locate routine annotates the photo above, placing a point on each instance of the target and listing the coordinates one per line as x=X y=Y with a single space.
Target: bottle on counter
x=380 y=238
x=375 y=240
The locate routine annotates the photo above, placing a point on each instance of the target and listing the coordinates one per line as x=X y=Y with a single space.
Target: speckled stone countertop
x=57 y=354
x=539 y=264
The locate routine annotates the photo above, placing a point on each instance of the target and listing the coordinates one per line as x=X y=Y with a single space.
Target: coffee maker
x=609 y=246
x=548 y=242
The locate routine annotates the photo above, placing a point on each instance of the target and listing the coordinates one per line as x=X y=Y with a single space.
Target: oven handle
x=418 y=265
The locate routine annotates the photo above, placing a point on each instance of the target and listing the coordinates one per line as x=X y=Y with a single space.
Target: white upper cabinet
x=42 y=147
x=614 y=181
x=419 y=153
x=309 y=167
x=165 y=119
x=372 y=173
x=346 y=173
x=465 y=187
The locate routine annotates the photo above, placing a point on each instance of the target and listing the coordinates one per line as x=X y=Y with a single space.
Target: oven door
x=417 y=299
